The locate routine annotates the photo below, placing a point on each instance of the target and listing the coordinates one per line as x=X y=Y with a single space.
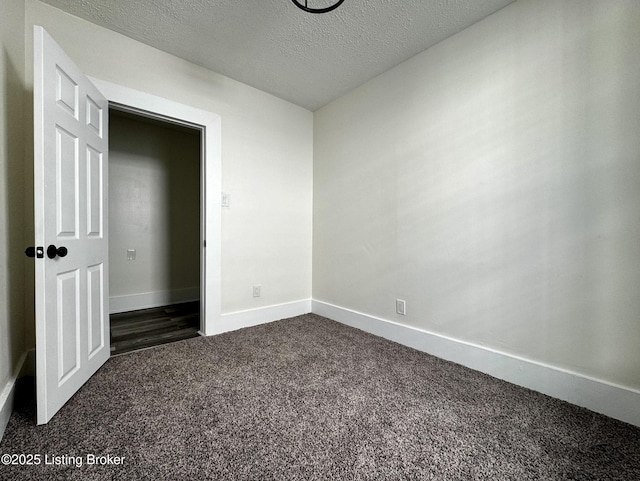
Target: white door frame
x=210 y=126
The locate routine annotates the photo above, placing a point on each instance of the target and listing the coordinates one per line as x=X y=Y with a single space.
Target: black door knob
x=53 y=251
x=32 y=251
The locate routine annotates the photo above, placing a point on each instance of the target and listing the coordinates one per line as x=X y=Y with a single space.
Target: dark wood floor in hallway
x=135 y=330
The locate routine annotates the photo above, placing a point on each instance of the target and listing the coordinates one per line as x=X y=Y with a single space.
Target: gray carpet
x=309 y=399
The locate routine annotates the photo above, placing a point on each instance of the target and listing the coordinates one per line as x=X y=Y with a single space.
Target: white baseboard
x=253 y=317
x=148 y=300
x=8 y=393
x=612 y=400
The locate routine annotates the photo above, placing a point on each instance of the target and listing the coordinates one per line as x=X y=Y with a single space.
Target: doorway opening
x=155 y=230
x=209 y=125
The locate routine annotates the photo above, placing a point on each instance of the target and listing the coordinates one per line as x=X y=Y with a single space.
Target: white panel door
x=71 y=148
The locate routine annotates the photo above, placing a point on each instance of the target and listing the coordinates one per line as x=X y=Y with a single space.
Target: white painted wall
x=267 y=153
x=12 y=260
x=493 y=182
x=154 y=208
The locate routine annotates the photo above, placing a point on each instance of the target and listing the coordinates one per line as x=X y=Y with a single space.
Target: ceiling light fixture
x=309 y=9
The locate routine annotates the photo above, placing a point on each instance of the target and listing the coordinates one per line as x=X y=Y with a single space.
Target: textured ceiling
x=272 y=45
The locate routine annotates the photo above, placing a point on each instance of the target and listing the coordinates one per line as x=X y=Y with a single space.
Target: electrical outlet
x=131 y=254
x=401 y=307
x=257 y=290
x=226 y=200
